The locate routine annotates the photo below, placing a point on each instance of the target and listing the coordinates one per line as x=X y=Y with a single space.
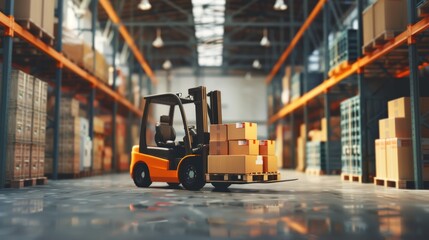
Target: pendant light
x=158 y=42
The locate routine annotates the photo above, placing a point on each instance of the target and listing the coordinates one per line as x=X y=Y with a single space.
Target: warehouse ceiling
x=220 y=33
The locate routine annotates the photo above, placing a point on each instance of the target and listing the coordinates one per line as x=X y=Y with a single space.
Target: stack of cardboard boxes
x=394 y=154
x=122 y=153
x=234 y=149
x=98 y=147
x=27 y=123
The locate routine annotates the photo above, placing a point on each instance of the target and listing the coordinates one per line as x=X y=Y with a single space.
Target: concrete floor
x=111 y=207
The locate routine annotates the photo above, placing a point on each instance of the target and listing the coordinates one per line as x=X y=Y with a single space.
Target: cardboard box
x=391 y=18
x=400 y=107
x=380 y=158
x=267 y=147
x=270 y=164
x=78 y=53
x=368 y=25
x=14 y=161
x=218 y=148
x=244 y=147
x=218 y=132
x=399 y=159
x=48 y=16
x=28 y=10
x=242 y=131
x=26 y=160
x=239 y=164
x=98 y=125
x=395 y=128
x=300 y=154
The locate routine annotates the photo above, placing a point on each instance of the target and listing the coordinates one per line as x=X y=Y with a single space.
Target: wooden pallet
x=384 y=38
x=398 y=184
x=27 y=182
x=368 y=48
x=351 y=178
x=36 y=31
x=242 y=178
x=320 y=172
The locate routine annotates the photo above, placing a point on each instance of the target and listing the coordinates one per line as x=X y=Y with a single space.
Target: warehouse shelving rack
x=62 y=71
x=407 y=40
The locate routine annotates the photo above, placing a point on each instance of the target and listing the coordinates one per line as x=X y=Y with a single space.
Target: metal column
x=58 y=85
x=292 y=72
x=115 y=103
x=415 y=99
x=4 y=97
x=305 y=79
x=326 y=22
x=361 y=86
x=91 y=97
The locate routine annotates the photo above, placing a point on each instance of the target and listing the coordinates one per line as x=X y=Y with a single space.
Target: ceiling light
x=145 y=5
x=158 y=40
x=280 y=5
x=167 y=65
x=264 y=41
x=256 y=64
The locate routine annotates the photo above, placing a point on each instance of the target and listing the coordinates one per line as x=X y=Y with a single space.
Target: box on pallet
x=218 y=132
x=368 y=26
x=400 y=165
x=34 y=161
x=380 y=158
x=267 y=147
x=243 y=147
x=269 y=164
x=400 y=107
x=29 y=10
x=235 y=164
x=48 y=17
x=390 y=17
x=242 y=131
x=18 y=88
x=14 y=161
x=218 y=148
x=395 y=127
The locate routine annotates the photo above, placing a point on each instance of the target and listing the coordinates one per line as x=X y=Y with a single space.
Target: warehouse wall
x=242 y=99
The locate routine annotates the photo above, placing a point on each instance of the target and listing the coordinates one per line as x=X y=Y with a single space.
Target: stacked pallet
x=343 y=50
x=316 y=149
x=236 y=154
x=75 y=146
x=26 y=132
x=382 y=21
x=394 y=150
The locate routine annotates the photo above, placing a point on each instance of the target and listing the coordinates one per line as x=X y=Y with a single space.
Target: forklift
x=178 y=162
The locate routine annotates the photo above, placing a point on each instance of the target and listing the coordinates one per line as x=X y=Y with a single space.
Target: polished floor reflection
x=110 y=207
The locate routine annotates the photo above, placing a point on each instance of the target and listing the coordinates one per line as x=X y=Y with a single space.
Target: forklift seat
x=165 y=134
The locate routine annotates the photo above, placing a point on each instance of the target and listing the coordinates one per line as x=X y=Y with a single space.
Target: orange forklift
x=184 y=161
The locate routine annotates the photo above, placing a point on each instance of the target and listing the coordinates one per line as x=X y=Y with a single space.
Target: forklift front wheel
x=191 y=176
x=221 y=185
x=141 y=175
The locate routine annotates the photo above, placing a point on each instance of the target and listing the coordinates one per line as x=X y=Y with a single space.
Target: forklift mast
x=202 y=110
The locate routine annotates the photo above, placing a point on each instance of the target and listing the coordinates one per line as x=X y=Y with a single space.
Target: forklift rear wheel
x=141 y=175
x=221 y=185
x=191 y=176
x=173 y=184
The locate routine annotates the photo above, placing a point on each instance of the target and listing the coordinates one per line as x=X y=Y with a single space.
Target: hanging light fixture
x=167 y=65
x=145 y=5
x=280 y=5
x=256 y=64
x=158 y=40
x=264 y=41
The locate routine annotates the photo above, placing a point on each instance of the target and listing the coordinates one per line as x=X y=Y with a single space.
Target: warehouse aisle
x=110 y=207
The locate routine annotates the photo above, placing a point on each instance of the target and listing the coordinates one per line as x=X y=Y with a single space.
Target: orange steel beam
x=128 y=39
x=64 y=62
x=402 y=38
x=407 y=72
x=295 y=40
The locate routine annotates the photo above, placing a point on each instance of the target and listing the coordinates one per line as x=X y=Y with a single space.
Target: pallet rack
x=406 y=66
x=63 y=72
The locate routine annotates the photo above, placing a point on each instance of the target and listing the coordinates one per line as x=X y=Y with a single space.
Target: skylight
x=209 y=17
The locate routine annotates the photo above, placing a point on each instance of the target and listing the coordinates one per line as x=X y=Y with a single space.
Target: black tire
x=221 y=185
x=191 y=176
x=173 y=185
x=141 y=175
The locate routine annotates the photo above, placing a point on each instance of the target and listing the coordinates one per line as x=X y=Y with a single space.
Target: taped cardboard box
x=395 y=128
x=267 y=147
x=235 y=164
x=218 y=148
x=380 y=158
x=400 y=107
x=218 y=132
x=244 y=147
x=242 y=131
x=391 y=18
x=400 y=165
x=270 y=164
